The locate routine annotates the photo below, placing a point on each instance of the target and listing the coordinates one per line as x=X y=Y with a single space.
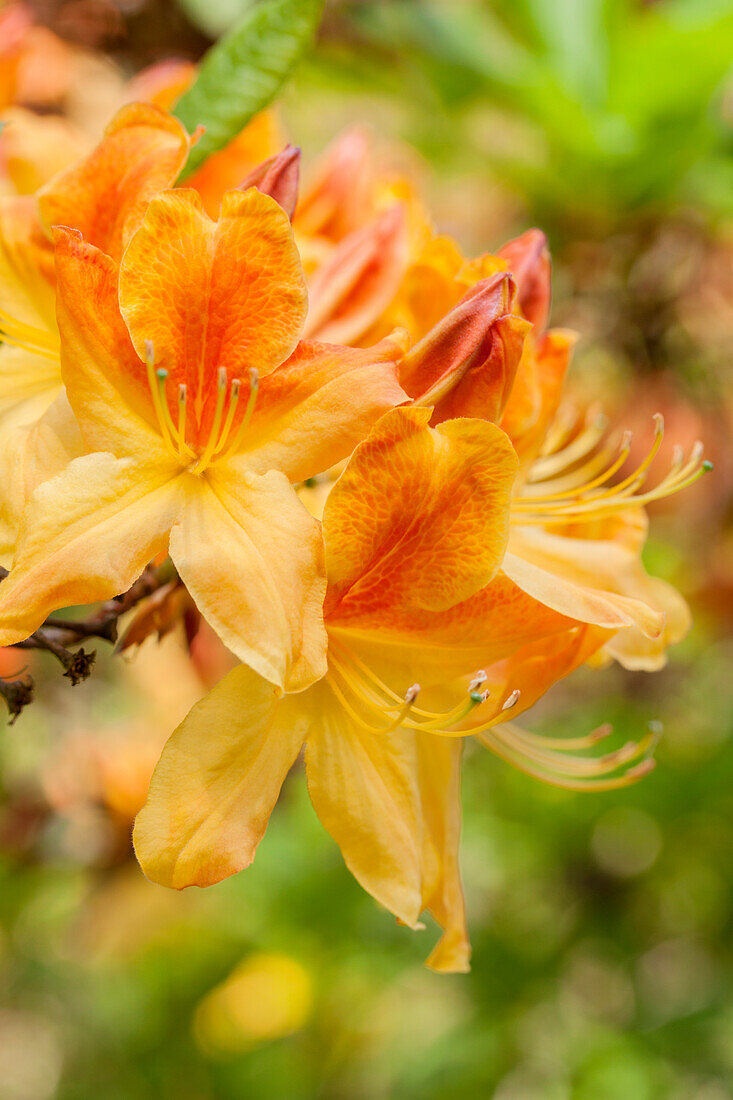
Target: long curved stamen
x=231 y=411
x=386 y=709
x=549 y=763
x=591 y=501
x=208 y=452
x=577 y=449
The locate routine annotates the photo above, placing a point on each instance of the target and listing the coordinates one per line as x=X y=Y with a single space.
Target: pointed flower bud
x=528 y=259
x=466 y=364
x=278 y=177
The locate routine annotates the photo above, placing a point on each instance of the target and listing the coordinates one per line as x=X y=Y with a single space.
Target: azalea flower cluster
x=350 y=440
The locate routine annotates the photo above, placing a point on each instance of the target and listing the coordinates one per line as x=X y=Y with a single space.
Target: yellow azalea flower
x=429 y=642
x=197 y=408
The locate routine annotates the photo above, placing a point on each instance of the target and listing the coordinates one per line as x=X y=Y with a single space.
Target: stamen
x=18 y=334
x=254 y=385
x=233 y=401
x=208 y=452
x=511 y=700
x=519 y=748
x=156 y=381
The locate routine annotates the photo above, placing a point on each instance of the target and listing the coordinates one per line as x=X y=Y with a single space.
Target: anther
x=149 y=352
x=478 y=680
x=510 y=701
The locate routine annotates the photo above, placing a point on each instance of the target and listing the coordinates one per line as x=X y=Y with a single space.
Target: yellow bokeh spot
x=267 y=996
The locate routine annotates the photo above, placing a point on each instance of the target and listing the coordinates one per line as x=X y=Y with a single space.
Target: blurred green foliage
x=601 y=927
x=617 y=105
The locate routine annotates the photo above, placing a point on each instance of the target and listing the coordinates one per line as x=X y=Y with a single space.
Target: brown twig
x=59 y=636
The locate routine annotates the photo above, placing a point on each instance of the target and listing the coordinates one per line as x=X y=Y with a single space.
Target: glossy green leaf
x=243 y=72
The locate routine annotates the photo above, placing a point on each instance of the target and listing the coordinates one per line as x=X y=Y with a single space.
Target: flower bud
x=278 y=177
x=349 y=293
x=466 y=364
x=528 y=260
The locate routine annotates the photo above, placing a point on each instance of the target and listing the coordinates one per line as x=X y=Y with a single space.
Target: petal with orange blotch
x=312 y=411
x=212 y=296
x=420 y=516
x=217 y=782
x=104 y=196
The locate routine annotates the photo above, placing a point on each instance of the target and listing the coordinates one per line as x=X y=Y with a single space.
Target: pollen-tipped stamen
x=236 y=442
x=211 y=442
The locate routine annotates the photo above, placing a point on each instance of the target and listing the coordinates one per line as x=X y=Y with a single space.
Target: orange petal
x=105 y=380
x=420 y=516
x=162 y=83
x=353 y=288
x=313 y=410
x=212 y=295
x=439 y=772
x=537 y=390
x=33 y=148
x=104 y=196
x=227 y=168
x=466 y=365
x=251 y=556
x=336 y=200
x=528 y=260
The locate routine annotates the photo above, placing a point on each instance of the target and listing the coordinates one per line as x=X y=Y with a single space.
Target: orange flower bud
x=466 y=364
x=528 y=259
x=278 y=177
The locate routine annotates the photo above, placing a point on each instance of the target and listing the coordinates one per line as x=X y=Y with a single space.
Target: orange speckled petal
x=212 y=295
x=420 y=516
x=528 y=259
x=104 y=195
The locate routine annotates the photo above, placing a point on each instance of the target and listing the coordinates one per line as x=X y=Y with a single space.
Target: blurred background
x=602 y=924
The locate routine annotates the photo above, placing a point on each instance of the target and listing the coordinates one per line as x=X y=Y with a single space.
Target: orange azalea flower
x=103 y=196
x=415 y=532
x=197 y=408
x=577 y=525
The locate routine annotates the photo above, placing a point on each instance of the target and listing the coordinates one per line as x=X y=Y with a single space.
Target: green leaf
x=243 y=72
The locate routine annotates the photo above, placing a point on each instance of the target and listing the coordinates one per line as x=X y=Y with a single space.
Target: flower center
x=223 y=439
x=570 y=484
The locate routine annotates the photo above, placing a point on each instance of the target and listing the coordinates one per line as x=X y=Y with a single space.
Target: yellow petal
x=86 y=535
x=365 y=791
x=592 y=581
x=217 y=782
x=439 y=769
x=419 y=518
x=251 y=557
x=313 y=410
x=635 y=651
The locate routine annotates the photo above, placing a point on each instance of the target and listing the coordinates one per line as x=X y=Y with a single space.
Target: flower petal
x=537 y=390
x=420 y=516
x=355 y=285
x=593 y=581
x=528 y=259
x=251 y=557
x=213 y=295
x=439 y=770
x=106 y=383
x=104 y=195
x=228 y=168
x=312 y=411
x=86 y=535
x=365 y=791
x=217 y=782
